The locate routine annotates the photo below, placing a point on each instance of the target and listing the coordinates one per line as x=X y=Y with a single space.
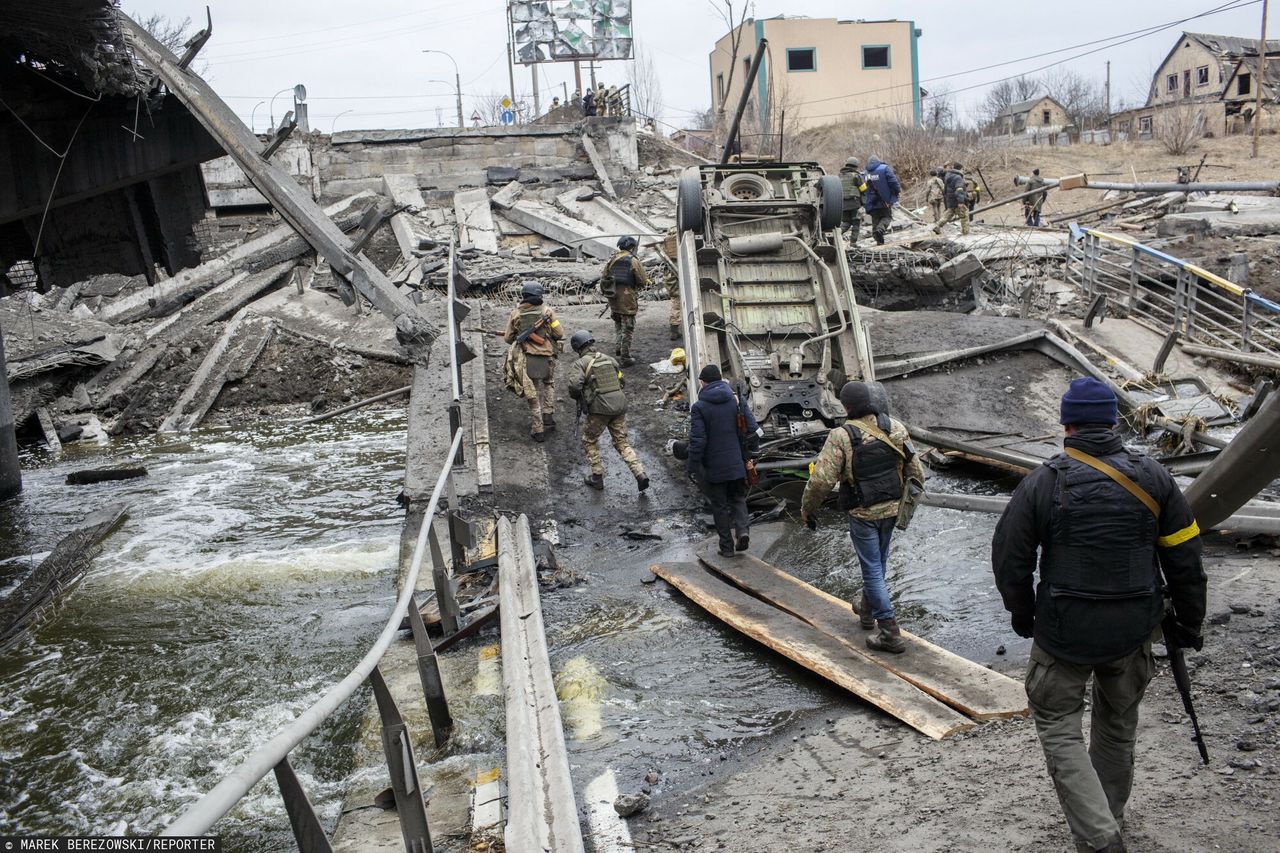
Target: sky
x=363 y=64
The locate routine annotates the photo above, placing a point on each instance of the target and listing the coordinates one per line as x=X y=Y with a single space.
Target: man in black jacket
x=1114 y=536
x=954 y=199
x=717 y=447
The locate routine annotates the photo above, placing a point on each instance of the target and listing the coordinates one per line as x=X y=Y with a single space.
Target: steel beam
x=1243 y=468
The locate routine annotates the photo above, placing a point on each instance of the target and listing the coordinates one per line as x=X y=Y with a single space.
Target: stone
x=627 y=805
x=960 y=270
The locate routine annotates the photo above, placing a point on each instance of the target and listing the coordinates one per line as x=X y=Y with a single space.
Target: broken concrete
x=403 y=192
x=475 y=223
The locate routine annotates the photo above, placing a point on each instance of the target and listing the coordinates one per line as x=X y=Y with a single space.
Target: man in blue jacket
x=716 y=449
x=881 y=196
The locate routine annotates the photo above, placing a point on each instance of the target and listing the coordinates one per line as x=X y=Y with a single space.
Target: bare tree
x=646 y=88
x=940 y=109
x=1179 y=128
x=1083 y=99
x=172 y=34
x=724 y=8
x=490 y=108
x=1005 y=94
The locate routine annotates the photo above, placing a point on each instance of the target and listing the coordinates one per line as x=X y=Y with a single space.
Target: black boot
x=626 y=360
x=865 y=619
x=675 y=333
x=548 y=421
x=744 y=542
x=595 y=481
x=726 y=549
x=538 y=437
x=642 y=481
x=888 y=638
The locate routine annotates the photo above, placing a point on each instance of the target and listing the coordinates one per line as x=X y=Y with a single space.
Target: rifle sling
x=1125 y=483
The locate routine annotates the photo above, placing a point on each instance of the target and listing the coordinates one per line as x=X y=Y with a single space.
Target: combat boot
x=675 y=333
x=548 y=421
x=626 y=360
x=538 y=437
x=1116 y=846
x=865 y=619
x=888 y=639
x=642 y=481
x=595 y=481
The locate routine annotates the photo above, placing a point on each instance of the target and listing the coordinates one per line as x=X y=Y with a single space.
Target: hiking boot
x=548 y=421
x=595 y=481
x=727 y=550
x=642 y=481
x=865 y=619
x=888 y=639
x=626 y=361
x=538 y=437
x=1116 y=846
x=744 y=542
x=675 y=333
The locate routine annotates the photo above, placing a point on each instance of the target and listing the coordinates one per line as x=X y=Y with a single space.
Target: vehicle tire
x=832 y=202
x=689 y=213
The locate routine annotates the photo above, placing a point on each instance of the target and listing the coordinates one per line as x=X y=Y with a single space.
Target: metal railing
x=1172 y=294
x=397 y=745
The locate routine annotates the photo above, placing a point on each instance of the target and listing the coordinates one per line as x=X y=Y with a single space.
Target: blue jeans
x=871 y=544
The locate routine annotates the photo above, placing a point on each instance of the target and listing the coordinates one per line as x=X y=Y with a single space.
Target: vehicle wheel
x=689 y=213
x=832 y=202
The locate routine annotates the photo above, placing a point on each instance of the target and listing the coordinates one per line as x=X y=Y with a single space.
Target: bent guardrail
x=397 y=745
x=1173 y=294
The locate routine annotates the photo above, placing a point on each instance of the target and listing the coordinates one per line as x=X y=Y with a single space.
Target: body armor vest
x=1104 y=549
x=620 y=271
x=527 y=319
x=876 y=475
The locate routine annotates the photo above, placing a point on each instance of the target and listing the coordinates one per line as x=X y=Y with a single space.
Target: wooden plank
x=812 y=649
x=967 y=686
x=542 y=812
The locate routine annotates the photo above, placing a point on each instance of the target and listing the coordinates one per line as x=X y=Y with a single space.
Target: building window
x=720 y=86
x=1202 y=75
x=1144 y=126
x=802 y=59
x=1044 y=117
x=875 y=56
x=1244 y=83
x=1171 y=83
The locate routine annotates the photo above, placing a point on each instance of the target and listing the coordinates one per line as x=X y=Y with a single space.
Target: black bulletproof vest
x=1102 y=548
x=621 y=272
x=875 y=471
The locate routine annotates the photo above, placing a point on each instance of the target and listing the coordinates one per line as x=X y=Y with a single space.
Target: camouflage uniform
x=542 y=403
x=972 y=192
x=671 y=248
x=933 y=196
x=1033 y=204
x=852 y=186
x=603 y=411
x=625 y=302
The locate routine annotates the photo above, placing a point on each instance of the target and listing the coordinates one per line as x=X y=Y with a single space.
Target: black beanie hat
x=710 y=373
x=856 y=397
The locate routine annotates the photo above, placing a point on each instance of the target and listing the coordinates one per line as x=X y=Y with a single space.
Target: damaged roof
x=1230 y=46
x=81 y=39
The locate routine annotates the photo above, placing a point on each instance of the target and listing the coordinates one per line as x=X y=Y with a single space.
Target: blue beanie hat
x=1088 y=401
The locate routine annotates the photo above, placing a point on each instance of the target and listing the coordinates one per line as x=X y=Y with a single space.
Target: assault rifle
x=1178 y=664
x=531 y=333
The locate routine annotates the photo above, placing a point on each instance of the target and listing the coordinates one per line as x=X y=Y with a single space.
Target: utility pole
x=537 y=96
x=1260 y=82
x=1108 y=91
x=577 y=75
x=10 y=473
x=511 y=71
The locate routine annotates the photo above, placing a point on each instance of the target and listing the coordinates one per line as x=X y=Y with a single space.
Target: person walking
x=533 y=328
x=596 y=383
x=852 y=185
x=671 y=249
x=620 y=282
x=1033 y=204
x=972 y=194
x=871 y=459
x=881 y=196
x=1111 y=531
x=953 y=198
x=722 y=435
x=933 y=194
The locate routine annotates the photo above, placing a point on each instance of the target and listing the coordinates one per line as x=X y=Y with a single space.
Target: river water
x=254 y=570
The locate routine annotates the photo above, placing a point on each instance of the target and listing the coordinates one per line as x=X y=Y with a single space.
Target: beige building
x=1037 y=116
x=820 y=71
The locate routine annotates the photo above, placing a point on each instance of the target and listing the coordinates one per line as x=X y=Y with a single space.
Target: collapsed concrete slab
x=1258 y=222
x=229 y=360
x=475 y=223
x=612 y=220
x=403 y=192
x=542 y=218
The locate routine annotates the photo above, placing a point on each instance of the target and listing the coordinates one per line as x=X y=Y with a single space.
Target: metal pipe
x=1255 y=359
x=1243 y=468
x=742 y=102
x=10 y=472
x=1174 y=187
x=359 y=404
x=1048 y=186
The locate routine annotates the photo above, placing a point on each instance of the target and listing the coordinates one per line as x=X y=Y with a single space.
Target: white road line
x=609 y=832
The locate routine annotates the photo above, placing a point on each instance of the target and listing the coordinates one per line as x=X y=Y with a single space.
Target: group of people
x=600 y=101
x=876 y=190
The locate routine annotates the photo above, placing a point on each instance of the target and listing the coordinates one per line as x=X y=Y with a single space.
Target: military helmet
x=580 y=339
x=531 y=289
x=864 y=398
x=628 y=243
x=853 y=161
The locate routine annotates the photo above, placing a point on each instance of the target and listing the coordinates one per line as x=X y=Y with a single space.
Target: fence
x=396 y=742
x=1172 y=294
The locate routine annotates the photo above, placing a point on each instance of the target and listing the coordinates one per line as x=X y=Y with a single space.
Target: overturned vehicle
x=766 y=295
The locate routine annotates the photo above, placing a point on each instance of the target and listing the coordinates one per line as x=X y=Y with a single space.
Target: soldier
x=972 y=193
x=1111 y=532
x=602 y=100
x=589 y=102
x=596 y=383
x=671 y=248
x=623 y=276
x=852 y=184
x=871 y=458
x=881 y=197
x=933 y=194
x=576 y=99
x=1033 y=204
x=534 y=328
x=615 y=101
x=954 y=199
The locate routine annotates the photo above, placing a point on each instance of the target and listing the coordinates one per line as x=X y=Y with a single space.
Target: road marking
x=581 y=689
x=609 y=832
x=489 y=672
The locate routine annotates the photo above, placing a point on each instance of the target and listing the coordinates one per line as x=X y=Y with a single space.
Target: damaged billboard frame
x=569 y=30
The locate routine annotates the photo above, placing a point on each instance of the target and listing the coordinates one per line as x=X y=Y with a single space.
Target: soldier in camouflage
x=870 y=458
x=541 y=346
x=671 y=248
x=852 y=185
x=620 y=282
x=596 y=383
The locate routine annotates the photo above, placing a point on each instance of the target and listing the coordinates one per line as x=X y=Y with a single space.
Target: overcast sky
x=363 y=66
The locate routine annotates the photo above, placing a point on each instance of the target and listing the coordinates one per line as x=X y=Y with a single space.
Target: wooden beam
x=814 y=650
x=964 y=685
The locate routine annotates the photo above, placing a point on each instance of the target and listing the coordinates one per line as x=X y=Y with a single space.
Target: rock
x=1246 y=745
x=651 y=777
x=627 y=805
x=1240 y=608
x=1243 y=763
x=1220 y=618
x=1001 y=650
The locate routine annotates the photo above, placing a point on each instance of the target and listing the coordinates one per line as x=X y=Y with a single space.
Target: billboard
x=567 y=30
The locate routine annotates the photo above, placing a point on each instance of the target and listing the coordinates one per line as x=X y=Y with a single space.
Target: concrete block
x=507 y=196
x=958 y=271
x=501 y=174
x=475 y=223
